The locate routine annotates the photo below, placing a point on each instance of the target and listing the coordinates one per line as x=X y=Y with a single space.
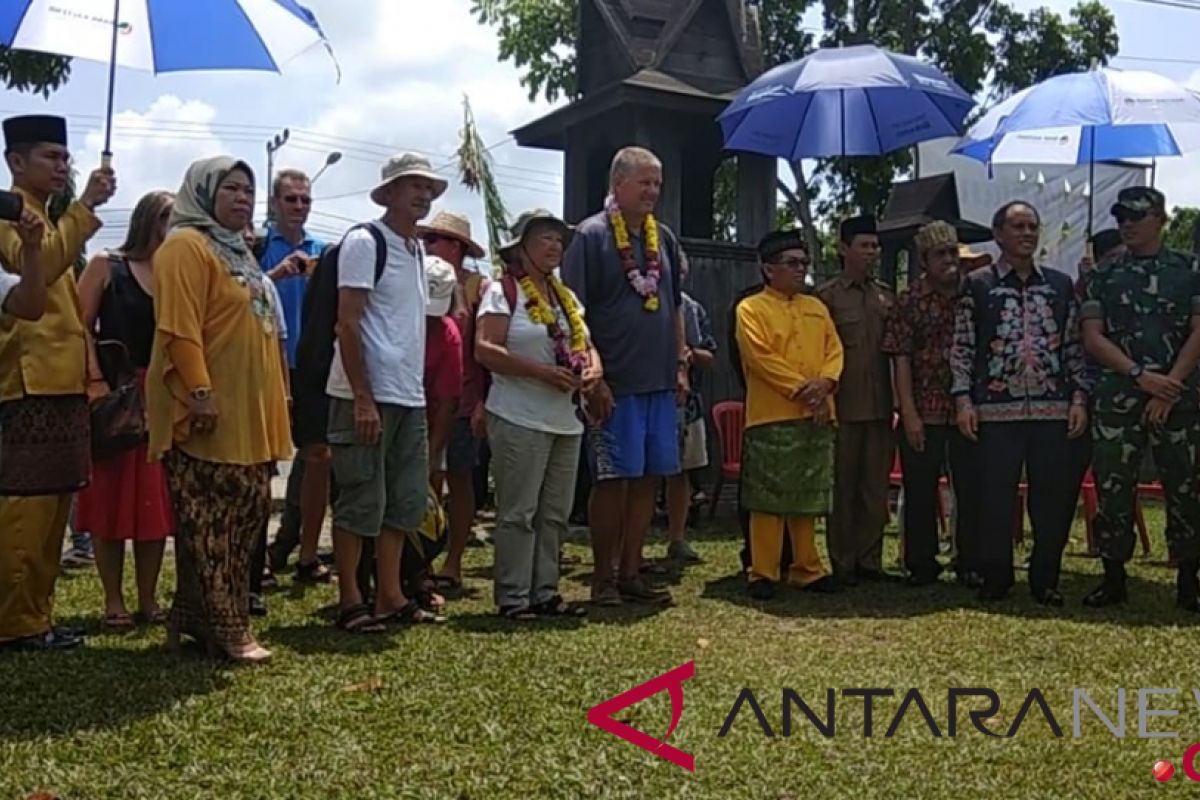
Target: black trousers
x=945 y=448
x=1053 y=467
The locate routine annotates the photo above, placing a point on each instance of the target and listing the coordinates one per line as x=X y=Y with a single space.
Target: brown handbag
x=118 y=418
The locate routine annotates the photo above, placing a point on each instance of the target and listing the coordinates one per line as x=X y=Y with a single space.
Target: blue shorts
x=640 y=439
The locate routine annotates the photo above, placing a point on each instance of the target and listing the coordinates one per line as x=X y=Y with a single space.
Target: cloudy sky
x=406 y=65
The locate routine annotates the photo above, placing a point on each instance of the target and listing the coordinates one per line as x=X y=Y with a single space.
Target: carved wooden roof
x=711 y=44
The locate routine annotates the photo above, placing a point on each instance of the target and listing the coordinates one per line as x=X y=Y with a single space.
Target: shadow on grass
x=97 y=688
x=626 y=614
x=1151 y=604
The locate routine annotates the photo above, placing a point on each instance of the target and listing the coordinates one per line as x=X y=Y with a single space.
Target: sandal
x=117 y=623
x=446 y=583
x=157 y=617
x=313 y=573
x=411 y=614
x=431 y=601
x=358 y=619
x=518 y=613
x=557 y=607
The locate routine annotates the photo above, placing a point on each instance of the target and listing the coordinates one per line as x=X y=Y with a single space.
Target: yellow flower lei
x=625 y=245
x=540 y=312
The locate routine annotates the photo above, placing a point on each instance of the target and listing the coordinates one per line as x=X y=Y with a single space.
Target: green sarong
x=787 y=468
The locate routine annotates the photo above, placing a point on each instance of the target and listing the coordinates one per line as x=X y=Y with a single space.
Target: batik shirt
x=1017 y=352
x=1147 y=306
x=921 y=326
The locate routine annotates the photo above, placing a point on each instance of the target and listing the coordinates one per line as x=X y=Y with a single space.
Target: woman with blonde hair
x=217 y=404
x=127 y=500
x=533 y=339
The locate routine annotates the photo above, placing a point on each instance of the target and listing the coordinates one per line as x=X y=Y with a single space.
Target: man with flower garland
x=624 y=267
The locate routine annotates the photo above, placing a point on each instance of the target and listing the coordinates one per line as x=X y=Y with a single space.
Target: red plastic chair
x=729 y=420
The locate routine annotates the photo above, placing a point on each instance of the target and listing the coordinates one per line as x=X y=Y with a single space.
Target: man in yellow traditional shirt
x=44 y=434
x=792 y=360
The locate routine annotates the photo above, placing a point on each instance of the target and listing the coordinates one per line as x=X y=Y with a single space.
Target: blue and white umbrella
x=1085 y=117
x=163 y=35
x=847 y=101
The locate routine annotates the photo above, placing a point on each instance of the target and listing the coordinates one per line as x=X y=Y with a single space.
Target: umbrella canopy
x=1081 y=118
x=850 y=101
x=163 y=35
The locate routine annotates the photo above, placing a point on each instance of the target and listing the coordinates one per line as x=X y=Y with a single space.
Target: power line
x=1156 y=60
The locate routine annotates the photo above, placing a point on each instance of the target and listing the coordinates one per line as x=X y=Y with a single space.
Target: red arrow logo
x=601 y=715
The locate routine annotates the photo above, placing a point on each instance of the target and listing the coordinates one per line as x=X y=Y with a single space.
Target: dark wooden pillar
x=755 y=197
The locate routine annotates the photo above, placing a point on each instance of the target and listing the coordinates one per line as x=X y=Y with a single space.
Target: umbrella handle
x=106 y=160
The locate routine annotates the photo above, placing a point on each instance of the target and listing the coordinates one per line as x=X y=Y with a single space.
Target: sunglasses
x=1124 y=215
x=301 y=199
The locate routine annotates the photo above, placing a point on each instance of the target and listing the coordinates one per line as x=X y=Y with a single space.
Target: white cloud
x=406 y=66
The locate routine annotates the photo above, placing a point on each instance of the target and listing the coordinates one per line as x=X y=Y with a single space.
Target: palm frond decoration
x=475 y=172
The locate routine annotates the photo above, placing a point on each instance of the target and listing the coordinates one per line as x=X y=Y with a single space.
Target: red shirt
x=443 y=361
x=475 y=378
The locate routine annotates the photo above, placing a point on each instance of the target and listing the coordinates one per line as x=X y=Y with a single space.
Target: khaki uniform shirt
x=859 y=309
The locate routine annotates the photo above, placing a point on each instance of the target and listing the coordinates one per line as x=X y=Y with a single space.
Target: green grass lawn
x=482 y=709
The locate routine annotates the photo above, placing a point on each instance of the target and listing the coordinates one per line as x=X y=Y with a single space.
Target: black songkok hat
x=34 y=129
x=855 y=226
x=776 y=242
x=1104 y=242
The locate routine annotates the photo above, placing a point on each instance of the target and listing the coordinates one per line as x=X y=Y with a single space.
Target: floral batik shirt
x=921 y=326
x=1017 y=352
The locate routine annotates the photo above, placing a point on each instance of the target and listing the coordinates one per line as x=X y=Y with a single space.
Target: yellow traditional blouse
x=47 y=357
x=783 y=344
x=198 y=301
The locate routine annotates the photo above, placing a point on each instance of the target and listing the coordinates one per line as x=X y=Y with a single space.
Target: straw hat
x=527 y=220
x=407 y=165
x=972 y=258
x=453 y=226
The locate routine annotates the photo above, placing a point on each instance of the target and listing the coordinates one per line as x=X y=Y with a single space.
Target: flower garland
x=646 y=284
x=572 y=352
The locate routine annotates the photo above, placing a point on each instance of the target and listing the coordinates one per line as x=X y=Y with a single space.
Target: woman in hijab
x=216 y=403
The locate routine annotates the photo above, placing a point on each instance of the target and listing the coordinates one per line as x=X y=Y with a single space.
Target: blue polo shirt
x=291 y=289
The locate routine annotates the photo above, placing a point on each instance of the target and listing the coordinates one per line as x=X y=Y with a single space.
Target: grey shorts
x=385 y=486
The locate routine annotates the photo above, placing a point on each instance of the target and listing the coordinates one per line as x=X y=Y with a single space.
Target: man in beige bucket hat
x=377 y=425
x=407 y=165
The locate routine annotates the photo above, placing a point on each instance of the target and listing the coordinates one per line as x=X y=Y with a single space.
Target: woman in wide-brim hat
x=533 y=339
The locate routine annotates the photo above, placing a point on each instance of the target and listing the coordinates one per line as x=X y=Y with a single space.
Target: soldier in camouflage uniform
x=1141 y=322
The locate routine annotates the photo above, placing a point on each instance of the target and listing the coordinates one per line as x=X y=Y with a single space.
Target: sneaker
x=684 y=553
x=636 y=590
x=78 y=559
x=606 y=593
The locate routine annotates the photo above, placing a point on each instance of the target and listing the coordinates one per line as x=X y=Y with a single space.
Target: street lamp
x=330 y=160
x=272 y=146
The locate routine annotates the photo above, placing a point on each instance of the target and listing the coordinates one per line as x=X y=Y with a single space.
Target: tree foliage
x=33 y=72
x=988 y=46
x=1181 y=229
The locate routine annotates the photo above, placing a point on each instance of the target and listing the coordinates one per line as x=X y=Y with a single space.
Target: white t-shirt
x=528 y=402
x=393 y=323
x=8 y=282
x=277 y=304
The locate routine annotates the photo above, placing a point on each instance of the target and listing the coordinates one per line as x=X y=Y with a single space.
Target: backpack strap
x=509 y=284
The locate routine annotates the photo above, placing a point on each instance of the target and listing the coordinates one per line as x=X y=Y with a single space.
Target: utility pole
x=272 y=146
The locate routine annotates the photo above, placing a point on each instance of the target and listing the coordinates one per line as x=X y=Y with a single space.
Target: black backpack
x=318 y=315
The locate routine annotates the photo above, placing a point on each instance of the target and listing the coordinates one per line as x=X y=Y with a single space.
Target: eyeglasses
x=301 y=199
x=793 y=263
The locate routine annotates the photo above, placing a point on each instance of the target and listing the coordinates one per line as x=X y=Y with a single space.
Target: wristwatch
x=201 y=393
x=1136 y=371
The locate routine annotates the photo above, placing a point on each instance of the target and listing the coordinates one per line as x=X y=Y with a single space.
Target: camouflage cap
x=1140 y=200
x=936 y=234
